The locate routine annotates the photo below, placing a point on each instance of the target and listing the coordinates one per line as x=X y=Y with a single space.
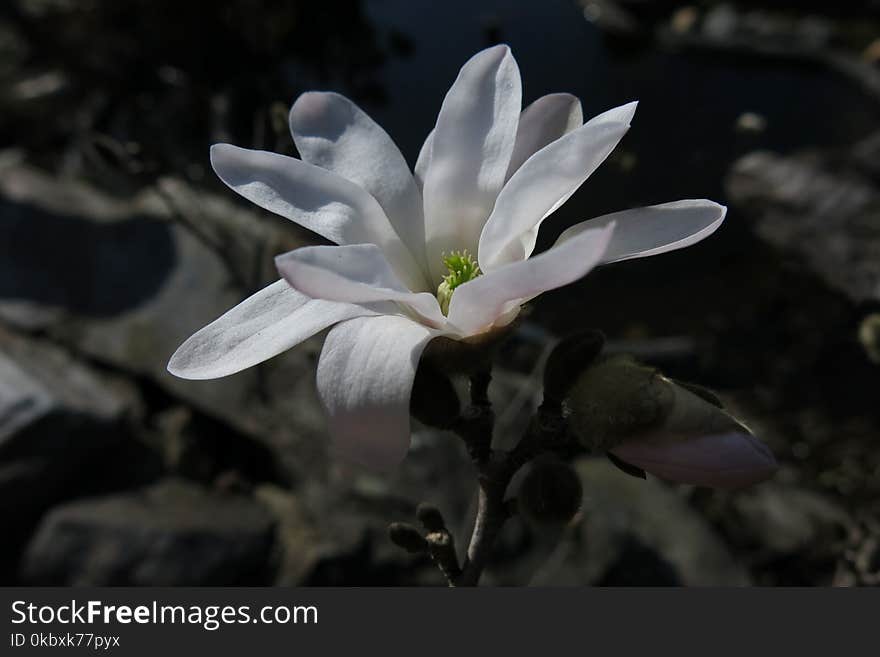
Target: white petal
x=332 y=132
x=477 y=304
x=315 y=198
x=424 y=161
x=262 y=326
x=365 y=377
x=358 y=273
x=654 y=229
x=544 y=182
x=473 y=141
x=542 y=122
x=545 y=120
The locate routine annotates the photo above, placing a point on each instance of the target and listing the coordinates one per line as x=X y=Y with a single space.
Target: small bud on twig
x=406 y=536
x=430 y=517
x=550 y=495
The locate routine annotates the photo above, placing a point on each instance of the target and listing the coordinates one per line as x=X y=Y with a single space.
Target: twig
x=495 y=469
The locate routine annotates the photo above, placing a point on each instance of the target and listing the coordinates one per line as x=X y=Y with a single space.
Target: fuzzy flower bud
x=675 y=432
x=550 y=495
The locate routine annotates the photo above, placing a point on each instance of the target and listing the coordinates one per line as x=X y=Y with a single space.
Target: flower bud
x=550 y=495
x=674 y=432
x=406 y=536
x=430 y=517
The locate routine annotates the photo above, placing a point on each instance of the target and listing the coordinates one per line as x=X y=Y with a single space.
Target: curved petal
x=477 y=304
x=315 y=198
x=544 y=121
x=262 y=326
x=423 y=161
x=470 y=152
x=654 y=229
x=358 y=274
x=331 y=132
x=365 y=376
x=544 y=182
x=731 y=460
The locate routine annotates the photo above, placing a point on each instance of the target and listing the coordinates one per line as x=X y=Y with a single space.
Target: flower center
x=462 y=268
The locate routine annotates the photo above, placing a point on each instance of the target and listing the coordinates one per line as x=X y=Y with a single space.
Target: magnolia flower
x=444 y=251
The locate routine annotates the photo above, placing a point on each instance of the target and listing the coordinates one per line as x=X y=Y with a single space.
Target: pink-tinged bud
x=731 y=460
x=666 y=429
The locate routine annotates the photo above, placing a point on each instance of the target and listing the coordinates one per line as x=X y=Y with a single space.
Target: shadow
x=86 y=267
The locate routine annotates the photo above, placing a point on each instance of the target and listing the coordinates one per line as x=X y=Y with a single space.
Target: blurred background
x=117 y=242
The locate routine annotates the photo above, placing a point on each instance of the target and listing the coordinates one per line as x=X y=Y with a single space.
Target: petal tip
x=312 y=108
x=220 y=156
x=733 y=460
x=629 y=110
x=495 y=54
x=177 y=364
x=219 y=149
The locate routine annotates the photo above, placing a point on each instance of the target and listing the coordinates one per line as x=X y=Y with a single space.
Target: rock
x=821 y=210
x=49 y=401
x=299 y=537
x=721 y=22
x=785 y=520
x=126 y=281
x=64 y=427
x=611 y=17
x=751 y=122
x=859 y=565
x=170 y=534
x=632 y=532
x=793 y=536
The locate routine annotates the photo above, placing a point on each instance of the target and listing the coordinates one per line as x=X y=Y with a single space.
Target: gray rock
x=126 y=281
x=787 y=520
x=64 y=427
x=636 y=532
x=825 y=213
x=48 y=397
x=792 y=536
x=172 y=533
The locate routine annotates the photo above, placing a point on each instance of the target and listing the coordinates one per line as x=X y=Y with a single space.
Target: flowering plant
x=441 y=252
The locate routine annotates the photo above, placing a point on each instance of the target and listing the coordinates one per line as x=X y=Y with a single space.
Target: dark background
x=117 y=242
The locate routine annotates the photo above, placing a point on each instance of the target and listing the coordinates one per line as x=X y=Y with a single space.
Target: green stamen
x=462 y=268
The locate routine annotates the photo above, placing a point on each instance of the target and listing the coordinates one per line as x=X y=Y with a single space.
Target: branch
x=547 y=431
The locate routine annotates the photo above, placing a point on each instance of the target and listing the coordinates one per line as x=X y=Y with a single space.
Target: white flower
x=486 y=178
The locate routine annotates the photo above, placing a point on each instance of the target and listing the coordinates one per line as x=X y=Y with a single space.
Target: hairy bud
x=430 y=517
x=550 y=495
x=615 y=399
x=406 y=536
x=675 y=431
